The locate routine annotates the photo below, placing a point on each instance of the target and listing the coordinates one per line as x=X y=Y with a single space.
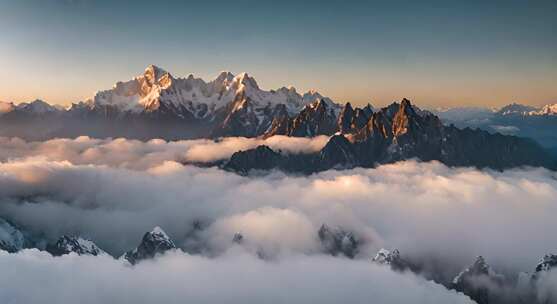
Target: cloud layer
x=135 y=154
x=422 y=208
x=233 y=278
x=112 y=191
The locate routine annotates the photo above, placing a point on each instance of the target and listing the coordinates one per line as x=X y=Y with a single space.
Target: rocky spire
x=153 y=243
x=345 y=118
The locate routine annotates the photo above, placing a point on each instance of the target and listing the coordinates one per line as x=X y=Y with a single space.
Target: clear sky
x=438 y=53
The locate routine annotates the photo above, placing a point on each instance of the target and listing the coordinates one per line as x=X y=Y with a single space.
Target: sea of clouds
x=139 y=155
x=113 y=191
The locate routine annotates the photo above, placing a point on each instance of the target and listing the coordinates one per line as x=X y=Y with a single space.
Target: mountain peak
x=155 y=69
x=224 y=76
x=385 y=256
x=516 y=109
x=159 y=232
x=152 y=243
x=246 y=80
x=392 y=259
x=288 y=90
x=37 y=106
x=550 y=109
x=548 y=262
x=478 y=268
x=154 y=73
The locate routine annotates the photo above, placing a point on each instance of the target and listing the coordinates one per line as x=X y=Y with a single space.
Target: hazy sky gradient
x=442 y=53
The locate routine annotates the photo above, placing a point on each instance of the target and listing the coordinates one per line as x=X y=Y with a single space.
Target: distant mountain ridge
x=397 y=132
x=539 y=124
x=479 y=280
x=156 y=104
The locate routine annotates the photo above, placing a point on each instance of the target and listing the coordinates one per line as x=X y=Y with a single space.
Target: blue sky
x=439 y=53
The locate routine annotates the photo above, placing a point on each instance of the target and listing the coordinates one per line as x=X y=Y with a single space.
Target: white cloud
x=139 y=155
x=546 y=287
x=113 y=191
x=423 y=208
x=506 y=129
x=27 y=277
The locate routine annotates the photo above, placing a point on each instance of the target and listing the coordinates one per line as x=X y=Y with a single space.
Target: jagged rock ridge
x=68 y=244
x=156 y=104
x=400 y=132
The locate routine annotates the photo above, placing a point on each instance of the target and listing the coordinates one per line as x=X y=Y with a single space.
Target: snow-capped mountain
x=68 y=244
x=11 y=238
x=36 y=107
x=156 y=87
x=14 y=237
x=235 y=105
x=156 y=104
x=550 y=109
x=465 y=114
x=539 y=124
x=516 y=109
x=547 y=262
x=524 y=110
x=153 y=243
x=479 y=281
x=479 y=268
x=391 y=259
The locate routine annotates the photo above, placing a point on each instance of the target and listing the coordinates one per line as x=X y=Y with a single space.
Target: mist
x=140 y=155
x=233 y=278
x=438 y=216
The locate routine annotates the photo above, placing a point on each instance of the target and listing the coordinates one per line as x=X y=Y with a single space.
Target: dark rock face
x=318 y=118
x=345 y=119
x=68 y=244
x=338 y=152
x=153 y=243
x=260 y=158
x=240 y=119
x=479 y=282
x=351 y=120
x=400 y=132
x=315 y=119
x=280 y=126
x=336 y=241
x=361 y=117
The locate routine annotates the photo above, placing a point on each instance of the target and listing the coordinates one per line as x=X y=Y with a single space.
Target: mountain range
x=539 y=124
x=479 y=280
x=398 y=132
x=156 y=104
